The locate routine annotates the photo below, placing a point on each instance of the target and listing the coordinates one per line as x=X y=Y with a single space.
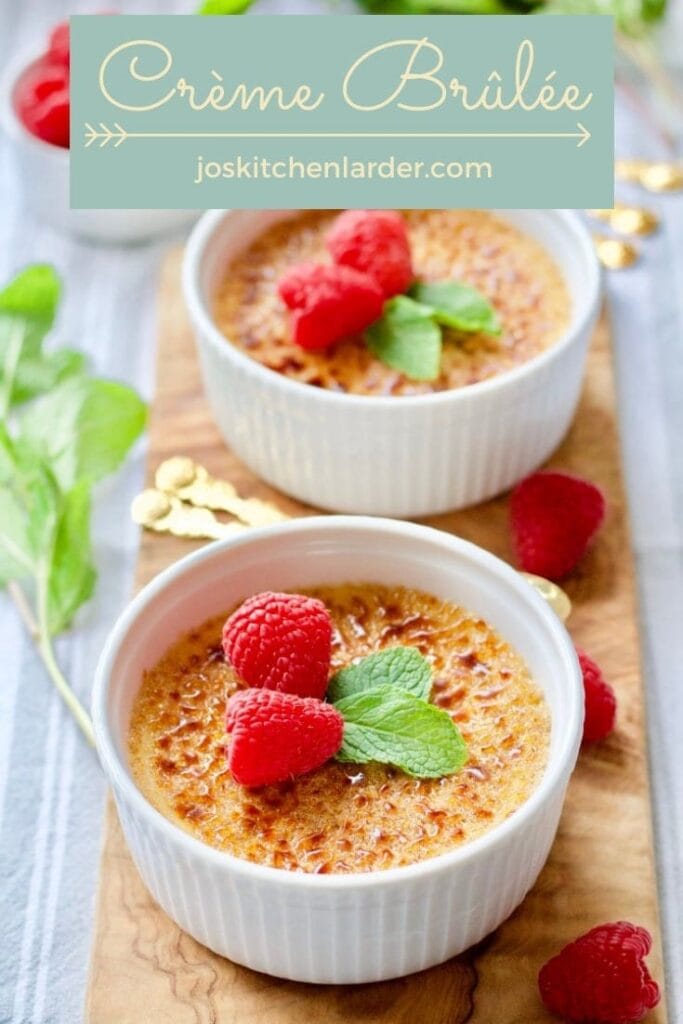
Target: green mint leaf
x=84 y=428
x=71 y=573
x=458 y=305
x=8 y=457
x=24 y=475
x=34 y=295
x=35 y=375
x=29 y=506
x=224 y=6
x=16 y=555
x=402 y=667
x=390 y=726
x=44 y=533
x=633 y=19
x=407 y=339
x=28 y=305
x=41 y=499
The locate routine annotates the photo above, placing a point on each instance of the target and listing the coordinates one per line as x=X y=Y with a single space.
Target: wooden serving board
x=144 y=969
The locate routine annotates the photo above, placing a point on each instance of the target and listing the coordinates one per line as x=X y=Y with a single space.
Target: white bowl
x=44 y=177
x=397 y=456
x=339 y=928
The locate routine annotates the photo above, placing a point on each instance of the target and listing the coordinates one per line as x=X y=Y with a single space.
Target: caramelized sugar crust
x=346 y=818
x=515 y=273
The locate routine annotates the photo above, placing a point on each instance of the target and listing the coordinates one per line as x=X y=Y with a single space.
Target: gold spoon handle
x=165 y=513
x=550 y=592
x=615 y=253
x=653 y=175
x=627 y=220
x=185 y=479
x=156 y=510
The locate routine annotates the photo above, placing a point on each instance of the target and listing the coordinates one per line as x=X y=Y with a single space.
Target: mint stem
x=12 y=357
x=40 y=635
x=18 y=598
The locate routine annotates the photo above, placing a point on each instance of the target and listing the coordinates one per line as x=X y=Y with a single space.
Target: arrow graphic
x=105 y=135
x=584 y=135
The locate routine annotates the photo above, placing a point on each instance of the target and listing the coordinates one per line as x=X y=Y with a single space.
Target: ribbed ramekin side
x=349 y=935
x=392 y=459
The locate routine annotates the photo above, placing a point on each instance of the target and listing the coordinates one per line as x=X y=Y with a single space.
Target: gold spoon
x=630 y=169
x=183 y=478
x=615 y=253
x=654 y=175
x=165 y=513
x=550 y=592
x=662 y=177
x=627 y=220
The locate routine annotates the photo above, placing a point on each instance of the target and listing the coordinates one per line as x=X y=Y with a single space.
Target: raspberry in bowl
x=258 y=815
x=462 y=383
x=509 y=270
x=341 y=817
x=35 y=116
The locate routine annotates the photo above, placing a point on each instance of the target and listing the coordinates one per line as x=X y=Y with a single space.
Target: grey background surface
x=51 y=789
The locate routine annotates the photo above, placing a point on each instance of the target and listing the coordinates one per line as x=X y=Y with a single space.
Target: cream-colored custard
x=510 y=268
x=345 y=818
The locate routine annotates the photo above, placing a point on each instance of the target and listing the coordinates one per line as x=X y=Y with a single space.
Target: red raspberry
x=40 y=81
x=42 y=102
x=277 y=736
x=376 y=242
x=50 y=120
x=281 y=642
x=328 y=303
x=58 y=47
x=601 y=704
x=554 y=516
x=601 y=977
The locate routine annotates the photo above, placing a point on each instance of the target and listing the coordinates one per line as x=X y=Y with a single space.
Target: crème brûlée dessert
x=259 y=309
x=398 y=727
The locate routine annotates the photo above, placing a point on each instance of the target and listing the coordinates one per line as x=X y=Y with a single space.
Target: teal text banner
x=314 y=112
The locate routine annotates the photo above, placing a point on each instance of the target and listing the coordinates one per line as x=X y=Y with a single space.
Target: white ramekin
x=44 y=178
x=397 y=456
x=338 y=928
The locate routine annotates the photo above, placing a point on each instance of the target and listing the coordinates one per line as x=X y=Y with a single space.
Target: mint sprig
x=84 y=428
x=52 y=452
x=384 y=700
x=458 y=305
x=408 y=338
x=403 y=667
x=388 y=725
x=28 y=305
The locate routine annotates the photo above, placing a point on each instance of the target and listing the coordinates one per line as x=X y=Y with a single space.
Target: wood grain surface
x=144 y=970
